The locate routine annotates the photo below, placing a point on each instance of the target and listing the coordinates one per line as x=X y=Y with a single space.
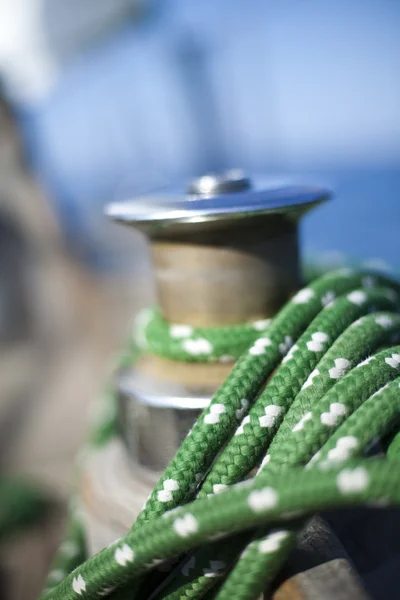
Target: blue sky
x=295 y=84
x=320 y=77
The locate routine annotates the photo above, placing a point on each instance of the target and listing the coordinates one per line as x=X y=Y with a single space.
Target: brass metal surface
x=227 y=277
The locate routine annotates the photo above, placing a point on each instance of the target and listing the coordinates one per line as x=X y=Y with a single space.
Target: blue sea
x=362 y=221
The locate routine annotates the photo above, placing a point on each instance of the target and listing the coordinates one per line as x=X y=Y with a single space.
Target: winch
x=225 y=252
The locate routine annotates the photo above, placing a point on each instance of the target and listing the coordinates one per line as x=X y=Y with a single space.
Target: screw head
x=229 y=182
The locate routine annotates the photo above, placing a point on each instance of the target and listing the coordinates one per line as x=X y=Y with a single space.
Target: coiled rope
x=333 y=371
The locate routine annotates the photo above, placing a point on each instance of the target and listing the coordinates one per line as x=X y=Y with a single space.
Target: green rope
x=343 y=445
x=71 y=553
x=195 y=344
x=265 y=500
x=249 y=445
x=319 y=399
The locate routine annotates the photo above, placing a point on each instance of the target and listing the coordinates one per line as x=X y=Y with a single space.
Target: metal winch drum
x=224 y=236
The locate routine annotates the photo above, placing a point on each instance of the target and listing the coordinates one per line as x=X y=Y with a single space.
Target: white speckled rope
x=194 y=344
x=321 y=335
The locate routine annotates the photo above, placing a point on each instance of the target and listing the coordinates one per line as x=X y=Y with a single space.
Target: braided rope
x=265 y=500
x=190 y=344
x=257 y=567
x=318 y=339
x=249 y=444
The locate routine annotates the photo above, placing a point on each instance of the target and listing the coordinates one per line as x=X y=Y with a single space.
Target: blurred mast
x=193 y=70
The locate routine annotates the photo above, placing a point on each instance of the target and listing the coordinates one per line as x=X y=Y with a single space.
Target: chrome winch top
x=225 y=197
